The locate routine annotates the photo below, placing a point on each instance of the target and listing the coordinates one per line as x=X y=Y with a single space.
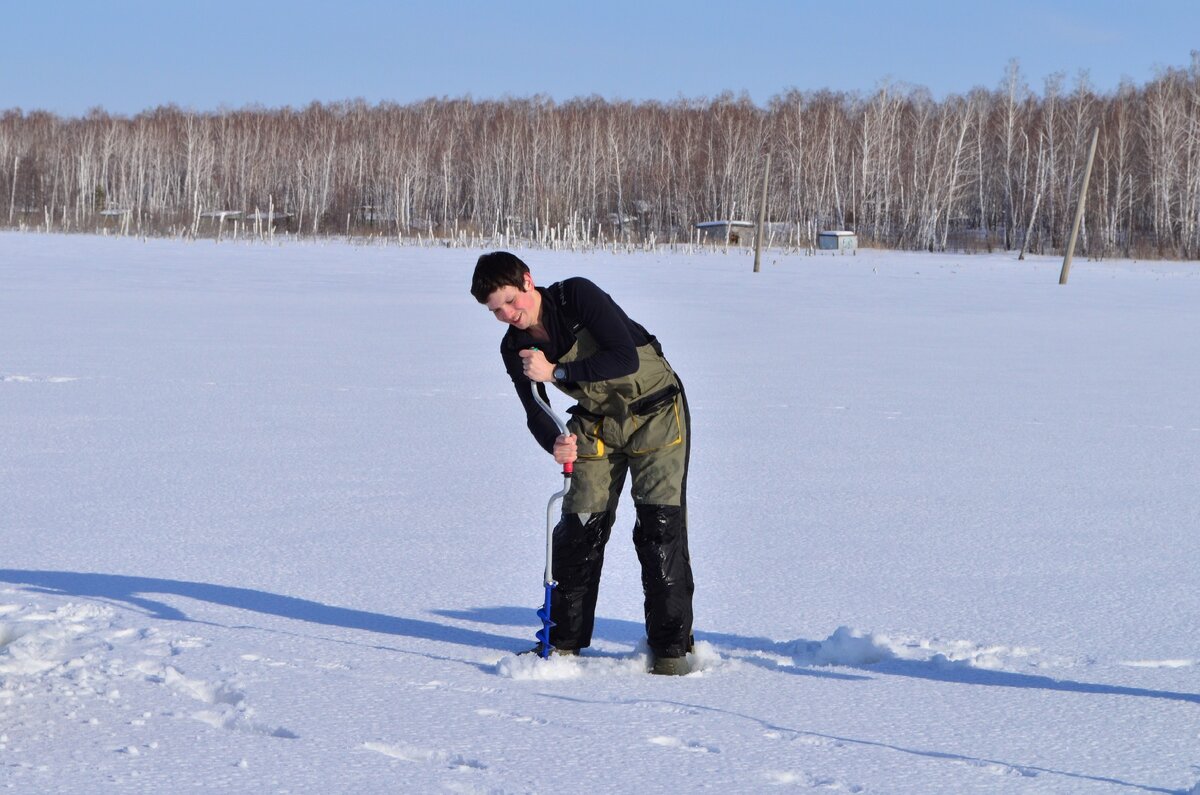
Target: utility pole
x=762 y=215
x=1087 y=172
x=12 y=198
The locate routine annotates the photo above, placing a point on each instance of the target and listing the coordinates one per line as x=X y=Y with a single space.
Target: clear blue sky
x=67 y=56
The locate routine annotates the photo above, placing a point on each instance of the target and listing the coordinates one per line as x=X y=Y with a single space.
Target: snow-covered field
x=270 y=522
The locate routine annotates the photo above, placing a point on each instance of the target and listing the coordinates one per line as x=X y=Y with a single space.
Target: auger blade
x=543 y=634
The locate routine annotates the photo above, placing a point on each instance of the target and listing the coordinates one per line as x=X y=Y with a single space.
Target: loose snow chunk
x=848 y=646
x=9 y=633
x=208 y=692
x=704 y=658
x=531 y=666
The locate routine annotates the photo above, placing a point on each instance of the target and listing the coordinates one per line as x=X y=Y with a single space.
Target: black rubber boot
x=661 y=540
x=578 y=558
x=670 y=666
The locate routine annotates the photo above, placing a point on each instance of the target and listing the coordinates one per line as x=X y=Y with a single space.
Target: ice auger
x=543 y=634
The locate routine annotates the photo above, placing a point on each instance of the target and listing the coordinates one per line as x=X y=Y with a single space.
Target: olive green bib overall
x=636 y=420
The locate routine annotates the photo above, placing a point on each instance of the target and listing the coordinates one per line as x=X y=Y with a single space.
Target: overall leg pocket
x=656 y=422
x=587 y=427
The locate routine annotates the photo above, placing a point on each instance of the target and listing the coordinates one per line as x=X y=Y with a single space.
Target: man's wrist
x=560 y=373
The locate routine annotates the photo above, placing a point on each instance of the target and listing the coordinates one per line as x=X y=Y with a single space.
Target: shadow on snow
x=137 y=592
x=956 y=673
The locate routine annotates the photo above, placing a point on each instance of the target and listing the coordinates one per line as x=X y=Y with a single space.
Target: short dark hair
x=495 y=270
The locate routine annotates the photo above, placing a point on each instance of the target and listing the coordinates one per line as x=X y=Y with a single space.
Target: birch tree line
x=995 y=168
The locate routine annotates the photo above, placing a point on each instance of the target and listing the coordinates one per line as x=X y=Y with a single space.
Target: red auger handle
x=568 y=468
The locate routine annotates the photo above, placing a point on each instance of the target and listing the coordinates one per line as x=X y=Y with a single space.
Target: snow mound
x=56 y=654
x=33 y=379
x=855 y=647
x=532 y=667
x=847 y=646
x=34 y=641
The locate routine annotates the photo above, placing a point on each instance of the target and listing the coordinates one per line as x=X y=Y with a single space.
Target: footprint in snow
x=495 y=713
x=684 y=745
x=668 y=709
x=1000 y=769
x=437 y=684
x=267 y=661
x=797 y=778
x=801 y=738
x=227 y=705
x=410 y=753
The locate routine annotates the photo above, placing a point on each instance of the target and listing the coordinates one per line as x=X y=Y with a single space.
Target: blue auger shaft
x=543 y=634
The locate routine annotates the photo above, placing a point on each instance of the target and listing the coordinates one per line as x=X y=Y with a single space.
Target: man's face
x=515 y=307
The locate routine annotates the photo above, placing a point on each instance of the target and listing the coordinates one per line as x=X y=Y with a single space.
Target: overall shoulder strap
x=568 y=312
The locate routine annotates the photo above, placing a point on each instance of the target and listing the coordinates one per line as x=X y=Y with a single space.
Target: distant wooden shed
x=839 y=240
x=724 y=231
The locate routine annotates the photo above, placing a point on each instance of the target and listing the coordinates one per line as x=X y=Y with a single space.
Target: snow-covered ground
x=271 y=522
